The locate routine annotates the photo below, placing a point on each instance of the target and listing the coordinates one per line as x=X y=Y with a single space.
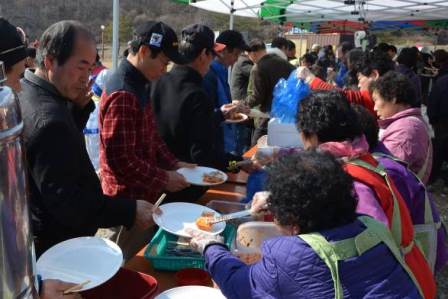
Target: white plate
x=196 y=292
x=242 y=118
x=194 y=175
x=178 y=216
x=80 y=259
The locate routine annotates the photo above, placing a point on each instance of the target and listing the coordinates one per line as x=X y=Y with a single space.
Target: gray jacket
x=240 y=77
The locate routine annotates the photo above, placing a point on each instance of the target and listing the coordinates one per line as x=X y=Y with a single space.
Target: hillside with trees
x=36 y=15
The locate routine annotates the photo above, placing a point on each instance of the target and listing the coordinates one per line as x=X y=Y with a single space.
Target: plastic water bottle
x=92 y=137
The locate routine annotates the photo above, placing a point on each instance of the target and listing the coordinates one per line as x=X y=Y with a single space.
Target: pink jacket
x=368 y=203
x=406 y=136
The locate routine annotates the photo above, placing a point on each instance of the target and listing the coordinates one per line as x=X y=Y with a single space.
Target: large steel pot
x=17 y=257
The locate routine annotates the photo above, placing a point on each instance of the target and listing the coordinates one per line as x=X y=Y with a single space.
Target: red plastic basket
x=193 y=276
x=126 y=284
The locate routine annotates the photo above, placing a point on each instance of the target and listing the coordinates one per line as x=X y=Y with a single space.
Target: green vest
x=332 y=252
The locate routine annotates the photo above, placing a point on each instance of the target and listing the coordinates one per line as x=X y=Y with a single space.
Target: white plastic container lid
x=251 y=235
x=249 y=238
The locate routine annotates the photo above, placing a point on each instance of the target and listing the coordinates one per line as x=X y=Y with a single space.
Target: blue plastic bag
x=287 y=96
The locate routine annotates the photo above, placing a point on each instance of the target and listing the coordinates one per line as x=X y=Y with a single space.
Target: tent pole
x=115 y=30
x=232 y=11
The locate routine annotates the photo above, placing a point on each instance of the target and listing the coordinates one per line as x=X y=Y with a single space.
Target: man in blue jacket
x=217 y=86
x=341 y=54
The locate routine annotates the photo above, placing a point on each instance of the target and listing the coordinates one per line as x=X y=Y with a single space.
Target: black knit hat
x=12 y=48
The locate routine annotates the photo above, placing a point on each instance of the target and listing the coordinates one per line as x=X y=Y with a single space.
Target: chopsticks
x=76 y=288
x=159 y=201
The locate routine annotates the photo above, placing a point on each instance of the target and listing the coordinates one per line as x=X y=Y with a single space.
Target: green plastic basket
x=156 y=251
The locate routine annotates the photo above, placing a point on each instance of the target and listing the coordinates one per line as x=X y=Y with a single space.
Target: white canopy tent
x=242 y=8
x=324 y=10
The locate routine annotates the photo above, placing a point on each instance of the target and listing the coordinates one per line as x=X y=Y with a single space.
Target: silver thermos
x=17 y=258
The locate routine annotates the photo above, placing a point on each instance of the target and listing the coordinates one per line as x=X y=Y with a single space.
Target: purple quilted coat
x=289 y=268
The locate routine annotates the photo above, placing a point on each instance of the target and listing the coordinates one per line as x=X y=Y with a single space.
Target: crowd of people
x=353 y=205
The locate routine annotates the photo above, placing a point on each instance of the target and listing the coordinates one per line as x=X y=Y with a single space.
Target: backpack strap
x=326 y=252
x=422 y=171
x=367 y=170
x=425 y=234
x=380 y=154
x=395 y=222
x=428 y=209
x=428 y=215
x=387 y=238
x=333 y=252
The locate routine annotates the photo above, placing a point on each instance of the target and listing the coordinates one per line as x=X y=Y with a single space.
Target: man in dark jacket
x=438 y=117
x=242 y=68
x=185 y=113
x=66 y=196
x=441 y=62
x=240 y=77
x=238 y=88
x=263 y=78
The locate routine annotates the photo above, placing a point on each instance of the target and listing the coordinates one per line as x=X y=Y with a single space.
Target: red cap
x=219 y=47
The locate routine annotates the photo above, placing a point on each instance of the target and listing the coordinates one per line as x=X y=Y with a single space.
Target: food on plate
x=203 y=222
x=236 y=116
x=213 y=177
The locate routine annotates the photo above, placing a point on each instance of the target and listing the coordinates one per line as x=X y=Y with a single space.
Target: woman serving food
x=295 y=265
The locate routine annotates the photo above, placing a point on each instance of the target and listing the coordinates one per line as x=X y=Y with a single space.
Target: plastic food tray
x=156 y=251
